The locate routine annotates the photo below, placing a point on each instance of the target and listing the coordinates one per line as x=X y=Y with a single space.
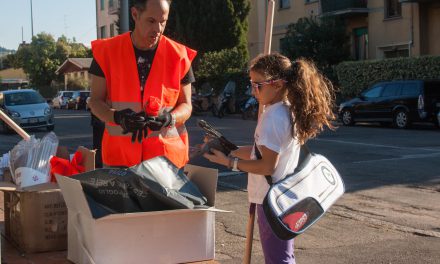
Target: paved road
x=390 y=213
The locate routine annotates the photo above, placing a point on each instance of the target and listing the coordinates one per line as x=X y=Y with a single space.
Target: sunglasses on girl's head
x=258 y=85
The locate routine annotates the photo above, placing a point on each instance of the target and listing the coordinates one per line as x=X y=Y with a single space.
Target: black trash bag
x=153 y=185
x=173 y=181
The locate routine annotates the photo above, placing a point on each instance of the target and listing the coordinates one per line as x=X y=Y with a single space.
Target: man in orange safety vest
x=141 y=89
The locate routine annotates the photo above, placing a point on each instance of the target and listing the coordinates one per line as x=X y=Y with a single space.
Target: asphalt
x=389 y=214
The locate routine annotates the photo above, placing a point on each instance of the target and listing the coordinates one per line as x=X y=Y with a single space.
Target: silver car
x=27 y=108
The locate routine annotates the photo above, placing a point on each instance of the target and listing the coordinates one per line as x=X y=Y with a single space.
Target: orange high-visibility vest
x=171 y=63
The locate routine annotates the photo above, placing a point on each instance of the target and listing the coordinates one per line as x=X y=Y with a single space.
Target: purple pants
x=276 y=251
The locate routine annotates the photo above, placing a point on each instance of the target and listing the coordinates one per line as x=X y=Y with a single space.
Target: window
x=112 y=30
x=110 y=3
x=82 y=74
x=360 y=46
x=393 y=8
x=102 y=4
x=102 y=32
x=284 y=4
x=391 y=90
x=396 y=53
x=410 y=89
x=373 y=92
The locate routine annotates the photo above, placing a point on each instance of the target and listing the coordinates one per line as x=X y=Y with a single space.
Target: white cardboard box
x=173 y=236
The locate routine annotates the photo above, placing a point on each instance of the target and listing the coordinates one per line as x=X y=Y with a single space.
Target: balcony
x=113 y=7
x=344 y=7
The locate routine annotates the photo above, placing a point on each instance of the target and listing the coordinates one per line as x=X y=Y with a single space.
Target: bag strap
x=303 y=150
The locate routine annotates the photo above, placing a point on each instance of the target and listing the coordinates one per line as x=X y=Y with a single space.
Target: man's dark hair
x=141 y=4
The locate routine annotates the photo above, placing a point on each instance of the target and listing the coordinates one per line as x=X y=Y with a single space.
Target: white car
x=60 y=100
x=27 y=108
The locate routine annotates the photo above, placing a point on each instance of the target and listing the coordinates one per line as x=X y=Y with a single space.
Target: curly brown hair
x=310 y=94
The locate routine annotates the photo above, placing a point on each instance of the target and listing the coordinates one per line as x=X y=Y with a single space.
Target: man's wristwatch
x=235 y=164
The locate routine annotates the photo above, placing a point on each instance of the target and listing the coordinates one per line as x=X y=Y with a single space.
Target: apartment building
x=106 y=18
x=378 y=28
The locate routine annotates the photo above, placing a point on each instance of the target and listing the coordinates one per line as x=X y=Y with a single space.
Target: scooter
x=224 y=100
x=250 y=109
x=202 y=102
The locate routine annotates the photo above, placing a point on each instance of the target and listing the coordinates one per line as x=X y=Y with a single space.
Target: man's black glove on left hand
x=157 y=123
x=133 y=122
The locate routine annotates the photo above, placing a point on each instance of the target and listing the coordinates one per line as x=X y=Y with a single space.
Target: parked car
x=397 y=102
x=60 y=100
x=27 y=108
x=78 y=100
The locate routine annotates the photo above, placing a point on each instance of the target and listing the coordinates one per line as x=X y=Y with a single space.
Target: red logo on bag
x=296 y=220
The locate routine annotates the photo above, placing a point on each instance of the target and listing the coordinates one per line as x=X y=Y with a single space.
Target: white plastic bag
x=29 y=160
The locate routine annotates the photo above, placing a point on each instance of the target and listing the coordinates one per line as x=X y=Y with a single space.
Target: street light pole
x=32 y=21
x=124 y=19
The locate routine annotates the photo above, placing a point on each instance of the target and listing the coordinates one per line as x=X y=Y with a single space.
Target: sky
x=72 y=18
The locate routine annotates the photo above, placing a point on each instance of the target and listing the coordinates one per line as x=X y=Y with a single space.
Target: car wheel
x=401 y=119
x=50 y=128
x=347 y=118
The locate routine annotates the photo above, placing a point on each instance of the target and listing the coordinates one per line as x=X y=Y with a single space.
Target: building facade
x=378 y=28
x=106 y=18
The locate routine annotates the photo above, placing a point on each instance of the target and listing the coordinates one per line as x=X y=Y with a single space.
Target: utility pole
x=124 y=16
x=32 y=21
x=22 y=36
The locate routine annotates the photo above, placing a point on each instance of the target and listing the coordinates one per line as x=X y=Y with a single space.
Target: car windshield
x=23 y=98
x=68 y=94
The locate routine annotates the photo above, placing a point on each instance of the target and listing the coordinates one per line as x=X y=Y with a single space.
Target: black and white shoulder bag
x=296 y=202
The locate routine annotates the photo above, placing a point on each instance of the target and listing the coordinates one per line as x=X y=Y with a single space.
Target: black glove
x=158 y=122
x=132 y=122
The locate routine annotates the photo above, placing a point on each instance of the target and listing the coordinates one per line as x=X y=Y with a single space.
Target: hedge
x=356 y=76
x=218 y=67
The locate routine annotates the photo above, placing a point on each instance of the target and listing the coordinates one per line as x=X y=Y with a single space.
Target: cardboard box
x=36 y=216
x=173 y=236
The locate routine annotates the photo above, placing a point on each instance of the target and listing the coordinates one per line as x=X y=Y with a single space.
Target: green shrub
x=356 y=76
x=218 y=68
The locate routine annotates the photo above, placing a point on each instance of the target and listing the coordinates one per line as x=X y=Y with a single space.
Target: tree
x=323 y=40
x=206 y=26
x=38 y=59
x=210 y=25
x=41 y=58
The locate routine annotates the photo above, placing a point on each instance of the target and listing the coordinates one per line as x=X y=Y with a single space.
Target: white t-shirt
x=274 y=132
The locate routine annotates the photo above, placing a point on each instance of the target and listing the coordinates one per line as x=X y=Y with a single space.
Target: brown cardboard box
x=36 y=216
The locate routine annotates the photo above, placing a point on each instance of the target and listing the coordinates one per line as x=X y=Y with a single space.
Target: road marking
x=375 y=145
x=70 y=116
x=76 y=136
x=405 y=157
x=230 y=173
x=231 y=186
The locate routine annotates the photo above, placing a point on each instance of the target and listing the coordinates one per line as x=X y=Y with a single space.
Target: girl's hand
x=217 y=157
